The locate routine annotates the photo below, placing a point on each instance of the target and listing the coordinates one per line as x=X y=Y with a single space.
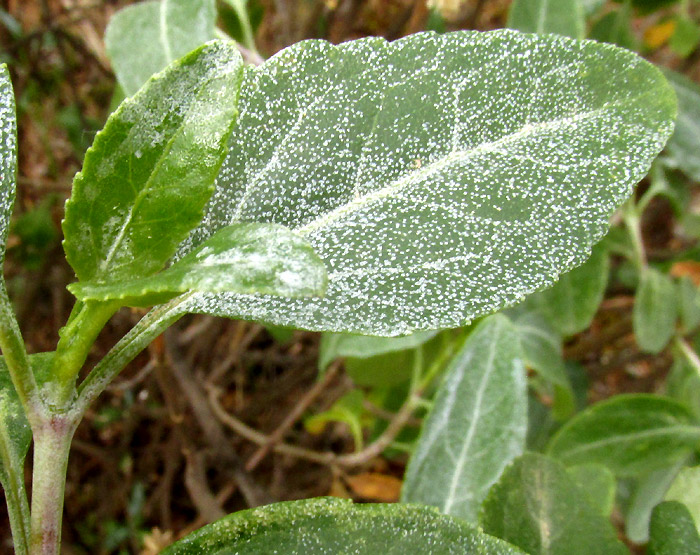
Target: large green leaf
x=324 y=526
x=538 y=507
x=8 y=156
x=684 y=145
x=672 y=531
x=598 y=483
x=564 y=17
x=477 y=424
x=437 y=178
x=244 y=258
x=144 y=38
x=655 y=310
x=572 y=302
x=150 y=171
x=630 y=434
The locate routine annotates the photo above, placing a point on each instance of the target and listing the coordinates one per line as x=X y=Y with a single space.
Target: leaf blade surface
x=422 y=224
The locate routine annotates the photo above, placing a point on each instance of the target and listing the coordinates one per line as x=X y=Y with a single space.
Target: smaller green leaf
x=686 y=36
x=8 y=156
x=655 y=311
x=686 y=489
x=684 y=144
x=348 y=409
x=563 y=17
x=326 y=525
x=648 y=6
x=598 y=483
x=683 y=382
x=672 y=531
x=242 y=258
x=476 y=426
x=572 y=302
x=336 y=345
x=151 y=170
x=144 y=38
x=537 y=506
x=592 y=6
x=630 y=434
x=649 y=491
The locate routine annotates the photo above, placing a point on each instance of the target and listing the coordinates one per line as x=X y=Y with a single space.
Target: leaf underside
x=439 y=177
x=326 y=525
x=246 y=258
x=150 y=171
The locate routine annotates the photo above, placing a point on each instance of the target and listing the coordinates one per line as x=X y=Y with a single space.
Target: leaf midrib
x=525 y=131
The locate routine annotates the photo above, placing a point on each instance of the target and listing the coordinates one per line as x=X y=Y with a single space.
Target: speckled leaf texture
x=151 y=170
x=245 y=258
x=477 y=425
x=8 y=156
x=439 y=177
x=563 y=17
x=332 y=526
x=144 y=38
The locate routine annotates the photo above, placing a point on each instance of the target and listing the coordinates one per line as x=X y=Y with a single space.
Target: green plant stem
x=15 y=494
x=632 y=219
x=239 y=7
x=141 y=335
x=52 y=439
x=76 y=340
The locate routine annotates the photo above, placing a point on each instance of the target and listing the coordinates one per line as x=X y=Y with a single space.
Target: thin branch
x=293 y=416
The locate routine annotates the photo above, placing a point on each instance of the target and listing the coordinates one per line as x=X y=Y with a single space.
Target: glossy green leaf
x=324 y=526
x=649 y=491
x=630 y=434
x=150 y=171
x=8 y=156
x=437 y=177
x=244 y=258
x=563 y=17
x=598 y=483
x=684 y=145
x=572 y=302
x=477 y=424
x=337 y=345
x=144 y=38
x=672 y=531
x=537 y=506
x=655 y=311
x=685 y=488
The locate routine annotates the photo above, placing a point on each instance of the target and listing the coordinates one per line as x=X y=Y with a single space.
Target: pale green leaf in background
x=563 y=17
x=686 y=489
x=684 y=145
x=598 y=483
x=477 y=424
x=631 y=434
x=649 y=490
x=243 y=258
x=150 y=171
x=324 y=526
x=591 y=6
x=8 y=156
x=615 y=27
x=572 y=302
x=672 y=531
x=144 y=38
x=688 y=304
x=655 y=310
x=537 y=506
x=336 y=345
x=437 y=178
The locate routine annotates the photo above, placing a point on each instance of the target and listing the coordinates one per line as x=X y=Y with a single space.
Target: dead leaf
x=375 y=487
x=688 y=268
